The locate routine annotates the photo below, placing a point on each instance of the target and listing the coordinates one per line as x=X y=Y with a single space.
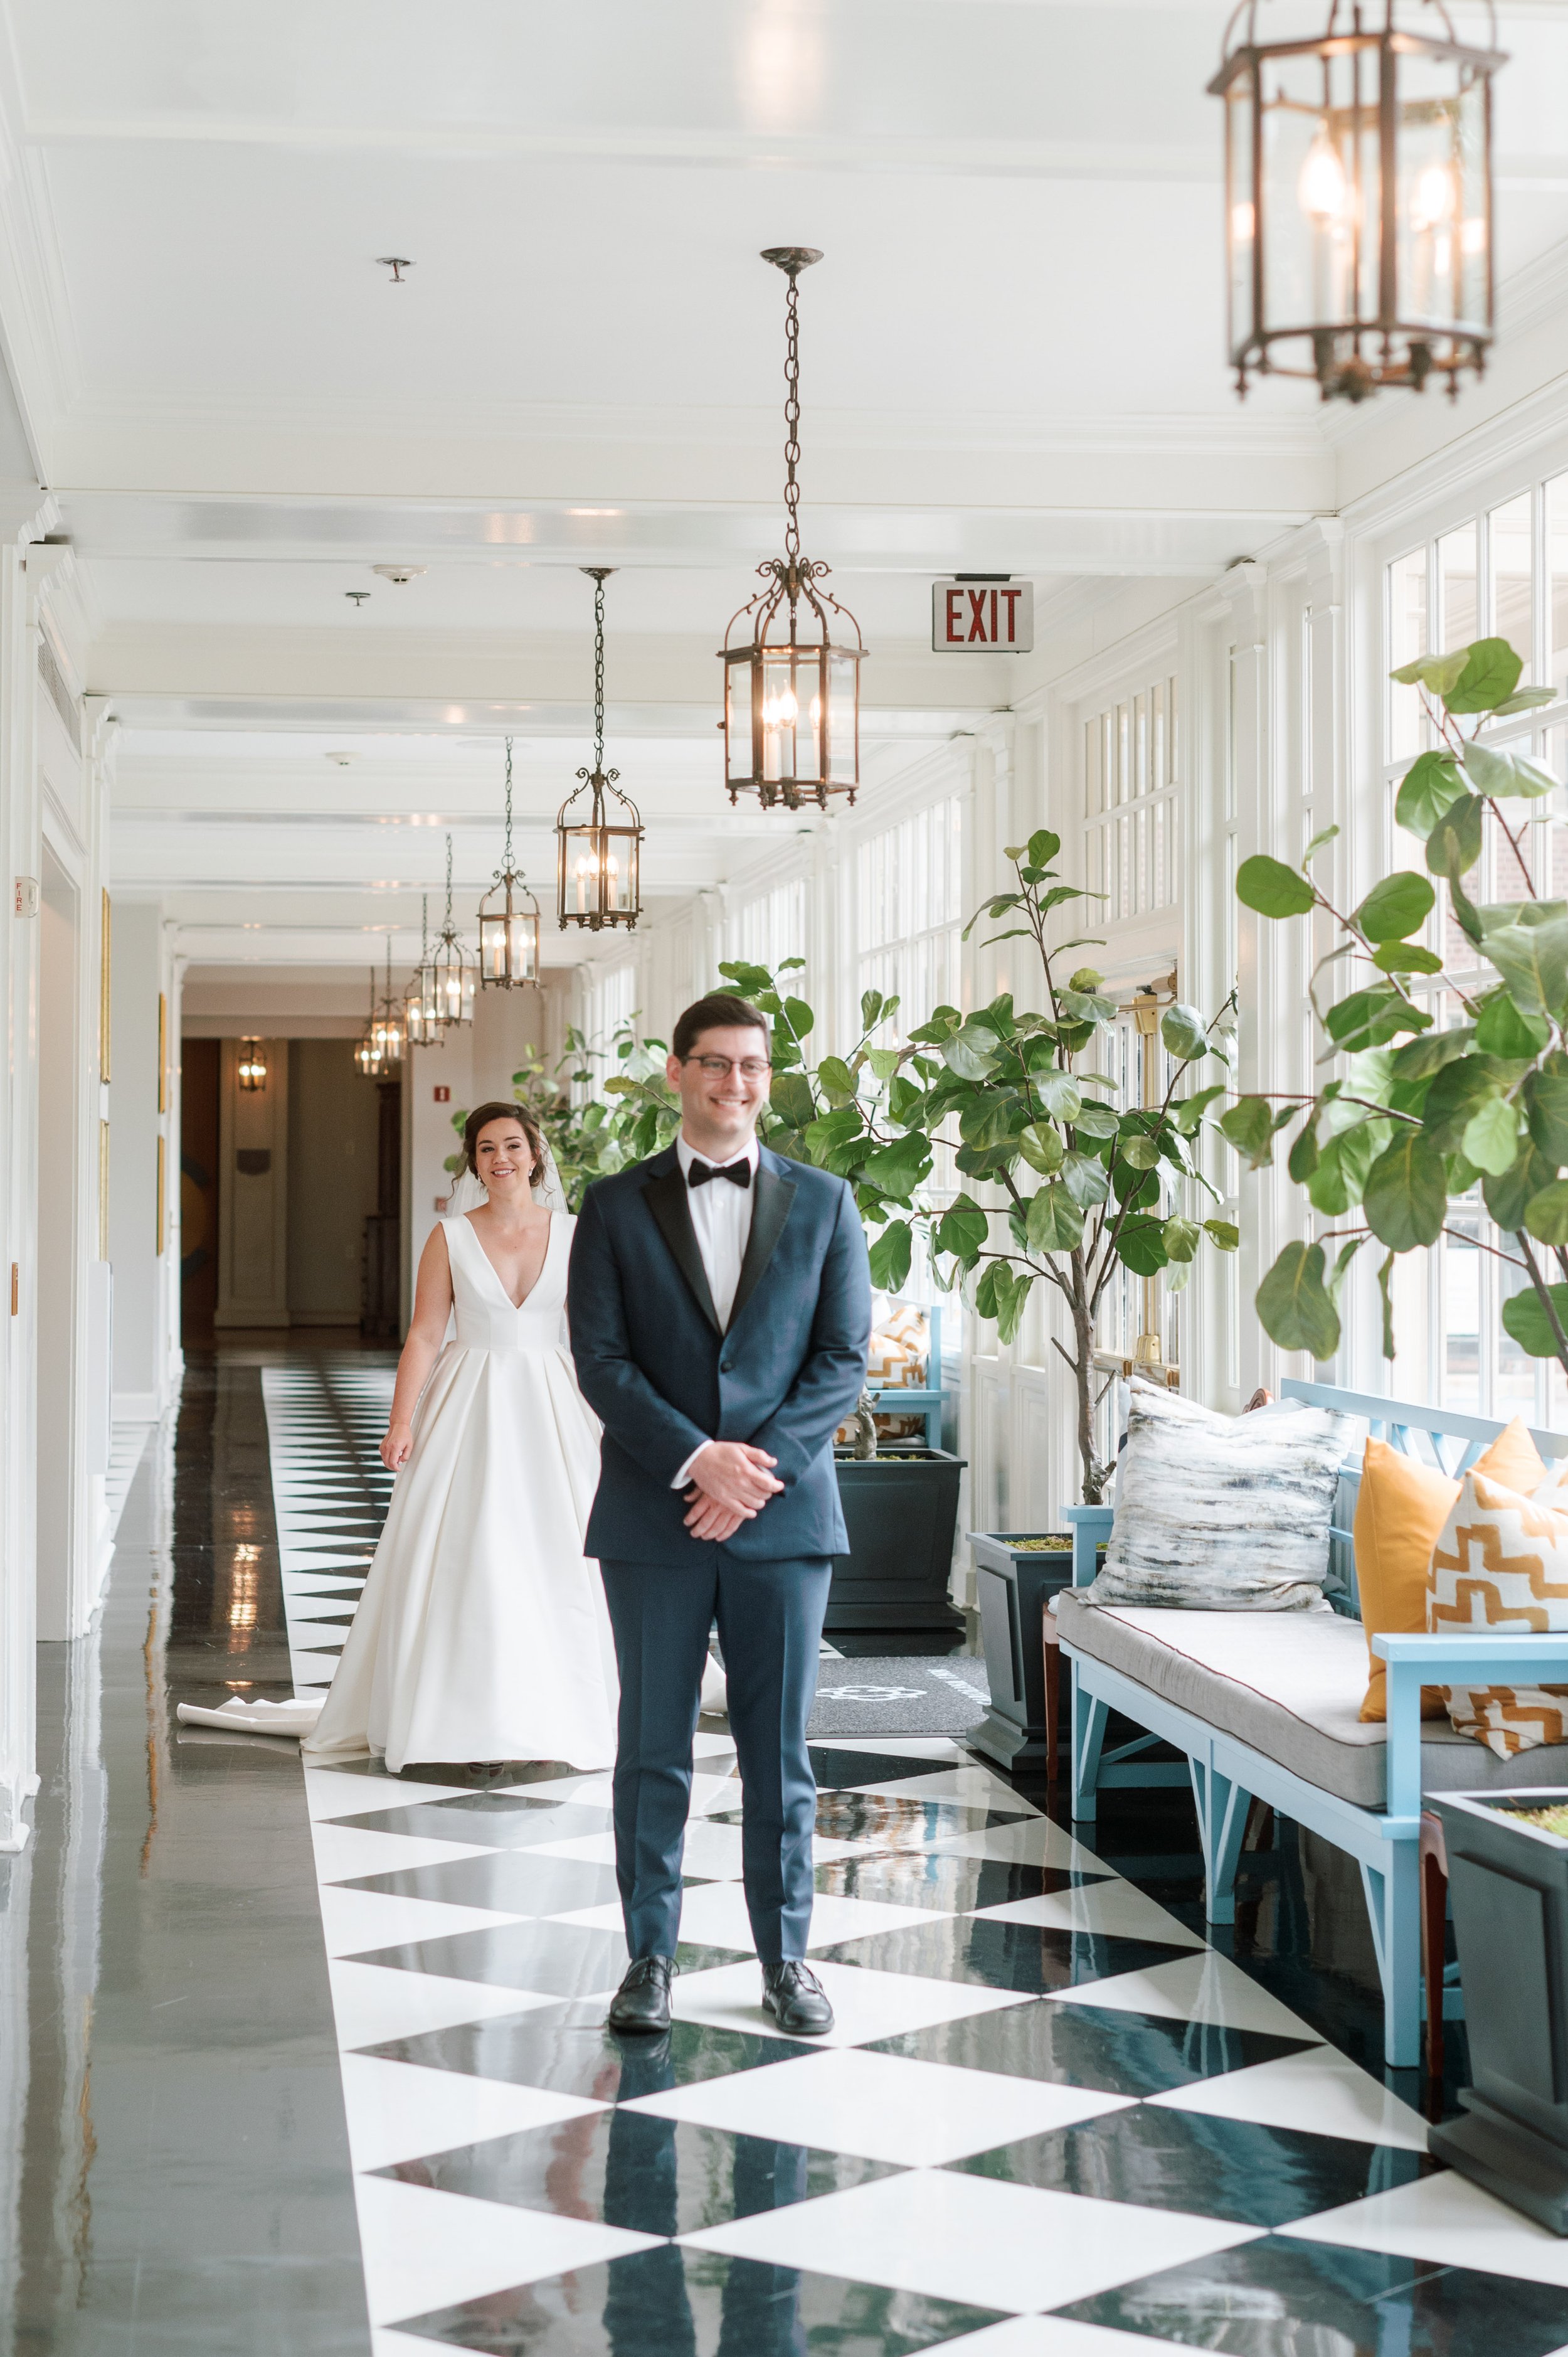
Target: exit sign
x=983 y=616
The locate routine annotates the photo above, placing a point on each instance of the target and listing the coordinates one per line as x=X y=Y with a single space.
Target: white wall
x=146 y=1279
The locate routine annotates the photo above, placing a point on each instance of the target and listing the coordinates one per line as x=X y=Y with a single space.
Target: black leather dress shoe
x=796 y=1998
x=642 y=2001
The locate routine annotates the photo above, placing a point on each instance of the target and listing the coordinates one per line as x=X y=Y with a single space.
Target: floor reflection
x=174 y=2168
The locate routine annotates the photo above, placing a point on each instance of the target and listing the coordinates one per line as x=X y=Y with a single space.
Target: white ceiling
x=1012 y=360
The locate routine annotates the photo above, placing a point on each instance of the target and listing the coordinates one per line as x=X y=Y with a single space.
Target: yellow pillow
x=1501 y=1562
x=1399 y=1513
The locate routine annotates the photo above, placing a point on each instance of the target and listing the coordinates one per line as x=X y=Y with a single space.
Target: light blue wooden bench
x=1227 y=1771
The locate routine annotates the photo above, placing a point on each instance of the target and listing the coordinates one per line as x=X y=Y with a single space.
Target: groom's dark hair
x=722 y=1011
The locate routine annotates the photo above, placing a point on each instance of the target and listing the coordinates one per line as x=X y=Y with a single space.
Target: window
x=772 y=928
x=909 y=904
x=1501 y=574
x=612 y=1006
x=1130 y=784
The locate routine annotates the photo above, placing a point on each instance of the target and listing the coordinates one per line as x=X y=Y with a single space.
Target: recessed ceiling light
x=341 y=754
x=593 y=511
x=401 y=573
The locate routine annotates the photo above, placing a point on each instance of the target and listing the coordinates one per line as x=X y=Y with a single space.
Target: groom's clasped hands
x=731 y=1483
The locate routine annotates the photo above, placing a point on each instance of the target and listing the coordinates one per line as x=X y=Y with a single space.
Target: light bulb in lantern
x=1435 y=200
x=1243 y=223
x=1325 y=195
x=780 y=710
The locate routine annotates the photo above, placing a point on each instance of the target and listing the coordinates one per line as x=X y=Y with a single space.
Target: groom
x=720 y=1308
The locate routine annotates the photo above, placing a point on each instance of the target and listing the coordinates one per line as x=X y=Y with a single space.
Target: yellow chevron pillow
x=1502 y=1563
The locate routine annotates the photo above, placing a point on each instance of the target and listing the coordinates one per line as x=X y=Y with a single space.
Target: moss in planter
x=1055 y=1544
x=1553 y=1819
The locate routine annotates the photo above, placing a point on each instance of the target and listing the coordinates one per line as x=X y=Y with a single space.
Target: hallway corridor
x=1051 y=2122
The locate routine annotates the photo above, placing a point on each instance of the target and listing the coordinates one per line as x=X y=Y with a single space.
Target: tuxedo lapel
x=666 y=1199
x=770 y=1209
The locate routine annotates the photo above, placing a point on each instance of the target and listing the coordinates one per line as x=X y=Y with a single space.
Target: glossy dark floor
x=1053 y=2121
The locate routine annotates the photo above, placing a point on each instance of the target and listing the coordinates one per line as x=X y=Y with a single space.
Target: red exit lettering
x=442 y=1096
x=974 y=618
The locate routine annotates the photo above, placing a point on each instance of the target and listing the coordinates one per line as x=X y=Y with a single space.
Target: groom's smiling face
x=719 y=1108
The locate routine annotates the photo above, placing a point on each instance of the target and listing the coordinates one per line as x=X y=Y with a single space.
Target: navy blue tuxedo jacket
x=663 y=1376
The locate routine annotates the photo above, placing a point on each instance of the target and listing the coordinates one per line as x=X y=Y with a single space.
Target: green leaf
x=1546 y=1106
x=1385 y=1282
x=1507 y=1198
x=1041 y=1147
x=1294 y=1305
x=897 y=1170
x=1455 y=844
x=1439 y=673
x=1325 y=834
x=1491 y=1141
x=1140 y=1246
x=750 y=978
x=1464 y=915
x=1498 y=769
x=1456 y=1094
x=792 y=1100
x=1249 y=1125
x=1502 y=1030
x=1182 y=1030
x=1042 y=847
x=1273 y=889
x=1406 y=957
x=1085 y=1178
x=1060 y=1096
x=1343 y=1166
x=1419 y=1059
x=890 y=1256
x=1085 y=1006
x=1225 y=1233
x=1187 y=1112
x=836 y=1080
x=1546 y=1214
x=1343 y=1259
x=1406 y=1194
x=1304 y=1154
x=1097 y=1121
x=884 y=1061
x=1138 y=1152
x=798 y=1017
x=1525 y=1318
x=1428 y=786
x=1489 y=678
x=962 y=1229
x=1053 y=1222
x=1010 y=1299
x=1368 y=1017
x=1524 y=699
x=1180 y=1238
x=991 y=1117
x=1527 y=942
x=1397 y=907
x=870 y=1007
x=971 y=1051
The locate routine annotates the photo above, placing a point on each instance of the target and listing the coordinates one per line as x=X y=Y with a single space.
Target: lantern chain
x=507 y=866
x=425 y=929
x=599 y=673
x=792 y=422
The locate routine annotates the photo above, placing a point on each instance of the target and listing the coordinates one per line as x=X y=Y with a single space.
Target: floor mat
x=902 y=1693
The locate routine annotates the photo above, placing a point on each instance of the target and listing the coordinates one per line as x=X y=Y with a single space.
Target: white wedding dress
x=481 y=1633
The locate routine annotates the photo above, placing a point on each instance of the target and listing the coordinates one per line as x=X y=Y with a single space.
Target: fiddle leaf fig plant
x=1416 y=1117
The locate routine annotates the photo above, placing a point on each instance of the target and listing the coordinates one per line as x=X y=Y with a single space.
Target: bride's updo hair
x=497 y=1110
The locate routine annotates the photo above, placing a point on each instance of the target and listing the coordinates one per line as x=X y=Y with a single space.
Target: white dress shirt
x=720 y=1221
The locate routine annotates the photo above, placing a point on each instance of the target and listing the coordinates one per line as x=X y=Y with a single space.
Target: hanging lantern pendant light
x=419 y=1024
x=598 y=858
x=792 y=687
x=1359 y=199
x=452 y=968
x=509 y=933
x=367 y=1054
x=389 y=1022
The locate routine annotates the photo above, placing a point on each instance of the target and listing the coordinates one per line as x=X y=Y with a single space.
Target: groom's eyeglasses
x=719 y=1067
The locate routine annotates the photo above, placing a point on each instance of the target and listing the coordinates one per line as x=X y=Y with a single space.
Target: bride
x=481 y=1633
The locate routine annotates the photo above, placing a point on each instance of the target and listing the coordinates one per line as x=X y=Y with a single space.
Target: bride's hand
x=397 y=1446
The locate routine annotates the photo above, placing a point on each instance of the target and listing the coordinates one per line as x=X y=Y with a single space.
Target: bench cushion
x=1291 y=1686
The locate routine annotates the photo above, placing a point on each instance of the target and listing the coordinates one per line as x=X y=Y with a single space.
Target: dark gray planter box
x=901 y=1508
x=1508 y=1884
x=1011 y=1586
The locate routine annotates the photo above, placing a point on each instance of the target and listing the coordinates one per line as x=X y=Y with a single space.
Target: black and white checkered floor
x=1050 y=2121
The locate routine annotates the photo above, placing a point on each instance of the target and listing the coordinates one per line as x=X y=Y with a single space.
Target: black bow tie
x=738 y=1173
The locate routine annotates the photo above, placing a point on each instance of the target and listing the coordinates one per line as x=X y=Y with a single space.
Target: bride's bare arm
x=426 y=1332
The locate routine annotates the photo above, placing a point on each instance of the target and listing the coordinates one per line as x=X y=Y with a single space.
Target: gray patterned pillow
x=1222 y=1513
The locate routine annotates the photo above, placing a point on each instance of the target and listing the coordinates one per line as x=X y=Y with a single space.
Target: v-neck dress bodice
x=481 y=1633
x=486 y=1318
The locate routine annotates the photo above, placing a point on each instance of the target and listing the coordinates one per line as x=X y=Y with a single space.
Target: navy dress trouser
x=770 y=1619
